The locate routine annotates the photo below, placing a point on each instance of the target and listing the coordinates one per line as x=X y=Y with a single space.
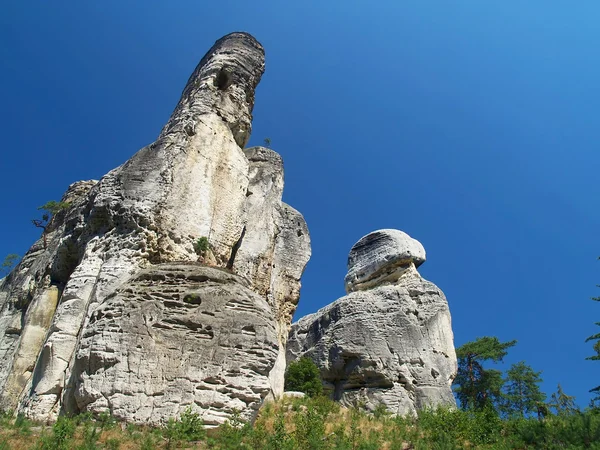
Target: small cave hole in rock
x=193 y=299
x=249 y=329
x=223 y=79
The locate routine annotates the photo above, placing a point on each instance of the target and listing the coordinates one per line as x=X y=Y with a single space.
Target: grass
x=315 y=424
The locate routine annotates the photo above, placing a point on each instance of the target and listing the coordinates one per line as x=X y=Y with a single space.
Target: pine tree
x=522 y=393
x=475 y=386
x=596 y=356
x=562 y=403
x=7 y=265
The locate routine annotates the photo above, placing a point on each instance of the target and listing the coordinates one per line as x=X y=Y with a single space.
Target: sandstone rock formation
x=116 y=313
x=389 y=341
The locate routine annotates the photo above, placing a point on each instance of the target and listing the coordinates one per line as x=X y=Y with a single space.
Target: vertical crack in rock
x=139 y=327
x=235 y=249
x=389 y=341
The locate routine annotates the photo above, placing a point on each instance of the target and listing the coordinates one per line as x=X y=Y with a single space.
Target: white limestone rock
x=380 y=257
x=389 y=344
x=175 y=336
x=195 y=180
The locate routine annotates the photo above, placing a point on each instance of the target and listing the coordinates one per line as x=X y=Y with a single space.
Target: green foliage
x=280 y=439
x=381 y=411
x=563 y=404
x=481 y=426
x=267 y=142
x=112 y=444
x=188 y=428
x=477 y=387
x=62 y=433
x=91 y=433
x=233 y=433
x=22 y=425
x=319 y=423
x=595 y=338
x=522 y=393
x=201 y=246
x=7 y=265
x=50 y=209
x=53 y=207
x=310 y=427
x=304 y=376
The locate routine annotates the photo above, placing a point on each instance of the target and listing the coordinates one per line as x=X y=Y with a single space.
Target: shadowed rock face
x=195 y=180
x=390 y=340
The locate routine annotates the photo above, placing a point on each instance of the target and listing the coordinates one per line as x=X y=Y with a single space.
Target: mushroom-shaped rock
x=387 y=342
x=382 y=257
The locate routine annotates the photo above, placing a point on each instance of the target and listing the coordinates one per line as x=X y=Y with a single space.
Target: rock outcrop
x=112 y=310
x=389 y=341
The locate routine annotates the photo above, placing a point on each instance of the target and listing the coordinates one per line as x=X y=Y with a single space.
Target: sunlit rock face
x=81 y=326
x=389 y=341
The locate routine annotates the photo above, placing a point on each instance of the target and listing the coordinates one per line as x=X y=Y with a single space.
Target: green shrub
x=310 y=428
x=22 y=425
x=148 y=442
x=304 y=376
x=188 y=428
x=381 y=411
x=280 y=439
x=201 y=246
x=112 y=444
x=62 y=433
x=233 y=433
x=90 y=436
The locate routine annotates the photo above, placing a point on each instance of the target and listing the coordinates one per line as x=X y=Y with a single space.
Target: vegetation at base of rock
x=303 y=376
x=201 y=246
x=315 y=423
x=188 y=428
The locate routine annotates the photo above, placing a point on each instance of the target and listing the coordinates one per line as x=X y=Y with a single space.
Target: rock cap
x=381 y=256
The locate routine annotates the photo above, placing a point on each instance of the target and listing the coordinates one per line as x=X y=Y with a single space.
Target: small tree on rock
x=50 y=209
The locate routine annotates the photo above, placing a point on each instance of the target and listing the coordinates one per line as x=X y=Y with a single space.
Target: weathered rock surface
x=390 y=341
x=173 y=336
x=381 y=257
x=79 y=328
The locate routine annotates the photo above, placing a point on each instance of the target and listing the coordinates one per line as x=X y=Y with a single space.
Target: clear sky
x=473 y=126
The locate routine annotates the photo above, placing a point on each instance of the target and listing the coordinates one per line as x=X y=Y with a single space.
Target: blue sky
x=472 y=126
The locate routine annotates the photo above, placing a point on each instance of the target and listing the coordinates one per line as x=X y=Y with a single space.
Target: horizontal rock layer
x=381 y=256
